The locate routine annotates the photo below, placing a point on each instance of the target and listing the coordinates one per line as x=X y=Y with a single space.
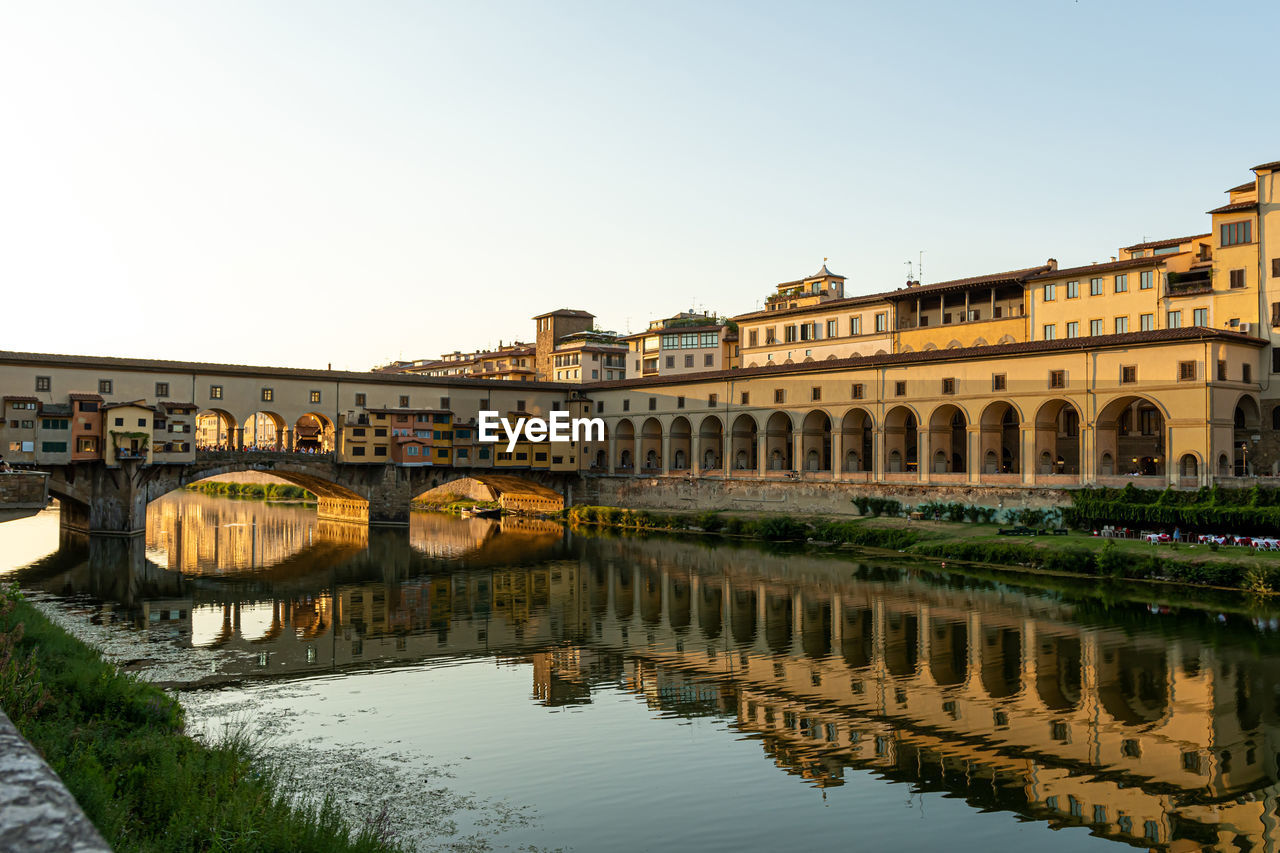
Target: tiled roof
x=1232 y=208
x=177 y=407
x=675 y=330
x=1009 y=277
x=836 y=304
x=137 y=404
x=55 y=408
x=1160 y=244
x=14 y=398
x=1111 y=266
x=408 y=411
x=88 y=398
x=565 y=312
x=1252 y=185
x=213 y=369
x=1274 y=164
x=822 y=273
x=1157 y=336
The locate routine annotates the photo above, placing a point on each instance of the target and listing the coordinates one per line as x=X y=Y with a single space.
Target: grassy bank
x=452 y=504
x=254 y=491
x=1076 y=553
x=119 y=746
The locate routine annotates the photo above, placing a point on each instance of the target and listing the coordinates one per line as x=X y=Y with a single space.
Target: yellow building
x=130 y=428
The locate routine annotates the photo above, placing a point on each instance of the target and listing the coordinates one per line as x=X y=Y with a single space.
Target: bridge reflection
x=1146 y=730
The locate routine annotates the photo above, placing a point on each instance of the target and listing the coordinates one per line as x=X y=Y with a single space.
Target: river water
x=507 y=684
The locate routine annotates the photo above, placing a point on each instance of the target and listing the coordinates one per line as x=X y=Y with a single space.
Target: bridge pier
x=341 y=509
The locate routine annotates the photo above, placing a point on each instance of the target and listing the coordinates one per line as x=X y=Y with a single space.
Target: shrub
x=780 y=527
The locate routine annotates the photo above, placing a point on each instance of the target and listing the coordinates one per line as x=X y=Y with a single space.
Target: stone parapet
x=37 y=812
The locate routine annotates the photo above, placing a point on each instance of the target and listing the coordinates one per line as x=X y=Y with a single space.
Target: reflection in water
x=1144 y=730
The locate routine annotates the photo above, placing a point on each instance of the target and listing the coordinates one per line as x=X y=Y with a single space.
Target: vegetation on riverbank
x=119 y=746
x=255 y=491
x=1072 y=554
x=451 y=504
x=1250 y=512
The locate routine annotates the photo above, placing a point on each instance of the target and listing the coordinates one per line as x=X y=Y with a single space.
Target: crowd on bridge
x=225 y=447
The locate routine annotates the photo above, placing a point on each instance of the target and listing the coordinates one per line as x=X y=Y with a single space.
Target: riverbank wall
x=797 y=496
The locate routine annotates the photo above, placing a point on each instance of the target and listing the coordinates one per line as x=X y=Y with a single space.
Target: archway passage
x=745 y=442
x=313 y=433
x=597 y=453
x=625 y=460
x=710 y=443
x=263 y=431
x=1057 y=439
x=857 y=437
x=901 y=441
x=948 y=440
x=1001 y=439
x=1246 y=424
x=650 y=452
x=681 y=444
x=215 y=430
x=815 y=441
x=1131 y=438
x=778 y=439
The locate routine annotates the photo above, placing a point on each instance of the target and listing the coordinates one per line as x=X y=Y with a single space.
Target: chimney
x=1113 y=259
x=1052 y=264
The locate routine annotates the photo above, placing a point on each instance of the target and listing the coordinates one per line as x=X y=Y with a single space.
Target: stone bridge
x=106 y=500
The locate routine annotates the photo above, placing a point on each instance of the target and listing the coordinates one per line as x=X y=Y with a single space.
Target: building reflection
x=1148 y=730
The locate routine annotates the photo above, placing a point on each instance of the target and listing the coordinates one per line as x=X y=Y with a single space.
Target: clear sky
x=304 y=183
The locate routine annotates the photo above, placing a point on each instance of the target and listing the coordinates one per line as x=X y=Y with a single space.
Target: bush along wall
x=1242 y=511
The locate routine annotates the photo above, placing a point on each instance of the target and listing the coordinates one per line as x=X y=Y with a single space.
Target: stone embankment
x=37 y=812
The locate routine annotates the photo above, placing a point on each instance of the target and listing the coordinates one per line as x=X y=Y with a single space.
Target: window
x=361 y=399
x=357 y=451
x=404 y=402
x=789 y=334
x=1122 y=325
x=53 y=423
x=746 y=398
x=653 y=403
x=679 y=402
x=43 y=383
x=1128 y=374
x=519 y=404
x=119 y=421
x=815 y=394
x=357 y=431
x=53 y=447
x=104 y=386
x=949 y=385
x=712 y=400
x=1095 y=287
x=1186 y=371
x=1095 y=328
x=1073 y=330
x=1145 y=280
x=1073 y=290
x=1275 y=267
x=1057 y=379
x=268 y=394
x=162 y=389
x=87 y=444
x=855 y=325
x=709 y=360
x=779 y=395
x=858 y=391
x=899 y=389
x=1050 y=292
x=688 y=361
x=1246 y=372
x=1050 y=331
x=315 y=396
x=1200 y=317
x=882 y=322
x=998 y=382
x=833 y=329
x=380 y=450
x=1175 y=320
x=626 y=405
x=1235 y=233
x=1122 y=284
x=671 y=361
x=1146 y=322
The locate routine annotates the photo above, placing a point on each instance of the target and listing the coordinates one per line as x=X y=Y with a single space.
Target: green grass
x=118 y=744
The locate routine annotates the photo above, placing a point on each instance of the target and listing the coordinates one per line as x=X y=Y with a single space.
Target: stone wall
x=23 y=489
x=37 y=812
x=798 y=497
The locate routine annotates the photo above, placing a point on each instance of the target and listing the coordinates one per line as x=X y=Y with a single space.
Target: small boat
x=488 y=513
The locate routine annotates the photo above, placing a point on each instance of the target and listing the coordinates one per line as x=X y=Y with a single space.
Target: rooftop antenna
x=920 y=267
x=909 y=276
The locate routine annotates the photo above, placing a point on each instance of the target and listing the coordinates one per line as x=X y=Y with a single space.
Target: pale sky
x=305 y=183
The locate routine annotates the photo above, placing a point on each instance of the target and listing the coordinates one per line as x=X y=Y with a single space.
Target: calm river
x=509 y=685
